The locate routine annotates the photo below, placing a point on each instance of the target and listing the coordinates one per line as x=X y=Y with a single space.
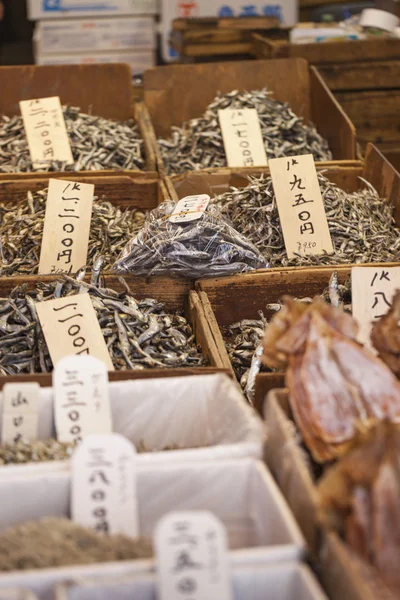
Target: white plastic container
x=242 y=494
x=290 y=581
x=53 y=9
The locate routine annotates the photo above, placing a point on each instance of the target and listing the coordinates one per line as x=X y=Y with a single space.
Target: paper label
x=104 y=485
x=46 y=132
x=20 y=412
x=372 y=291
x=192 y=559
x=243 y=141
x=70 y=326
x=301 y=208
x=190 y=208
x=66 y=226
x=81 y=399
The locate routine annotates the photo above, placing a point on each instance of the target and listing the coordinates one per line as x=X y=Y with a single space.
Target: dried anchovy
x=57 y=542
x=21 y=232
x=36 y=451
x=362 y=225
x=138 y=334
x=207 y=247
x=96 y=144
x=198 y=144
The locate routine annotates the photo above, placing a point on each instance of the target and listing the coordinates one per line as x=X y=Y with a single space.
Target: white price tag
x=20 y=412
x=192 y=558
x=372 y=291
x=190 y=208
x=46 y=131
x=243 y=141
x=104 y=485
x=81 y=399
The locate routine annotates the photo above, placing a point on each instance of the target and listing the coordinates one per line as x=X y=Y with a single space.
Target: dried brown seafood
x=385 y=336
x=334 y=383
x=360 y=499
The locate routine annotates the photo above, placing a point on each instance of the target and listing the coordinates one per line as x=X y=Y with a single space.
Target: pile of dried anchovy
x=21 y=231
x=198 y=144
x=362 y=226
x=244 y=338
x=207 y=247
x=96 y=144
x=57 y=542
x=138 y=334
x=35 y=451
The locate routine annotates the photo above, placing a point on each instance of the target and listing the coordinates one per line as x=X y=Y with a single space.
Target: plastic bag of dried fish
x=21 y=231
x=198 y=144
x=96 y=143
x=207 y=247
x=362 y=226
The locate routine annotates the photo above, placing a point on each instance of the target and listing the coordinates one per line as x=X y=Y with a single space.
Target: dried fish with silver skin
x=128 y=327
x=96 y=144
x=207 y=247
x=198 y=144
x=362 y=226
x=21 y=232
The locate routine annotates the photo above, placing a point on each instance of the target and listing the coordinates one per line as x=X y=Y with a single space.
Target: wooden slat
x=368 y=75
x=209 y=49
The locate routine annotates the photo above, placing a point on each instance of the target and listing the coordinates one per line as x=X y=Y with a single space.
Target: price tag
x=46 y=131
x=300 y=205
x=243 y=141
x=81 y=400
x=190 y=208
x=70 y=326
x=192 y=558
x=372 y=291
x=20 y=412
x=104 y=485
x=66 y=226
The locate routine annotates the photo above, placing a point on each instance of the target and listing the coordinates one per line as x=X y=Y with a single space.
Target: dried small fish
x=96 y=143
x=36 y=451
x=122 y=320
x=198 y=144
x=362 y=225
x=21 y=232
x=57 y=542
x=207 y=247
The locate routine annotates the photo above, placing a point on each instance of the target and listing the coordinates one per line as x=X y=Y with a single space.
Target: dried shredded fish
x=21 y=232
x=198 y=144
x=96 y=144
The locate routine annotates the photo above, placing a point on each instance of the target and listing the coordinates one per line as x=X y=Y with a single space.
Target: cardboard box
x=285 y=10
x=138 y=60
x=50 y=9
x=94 y=35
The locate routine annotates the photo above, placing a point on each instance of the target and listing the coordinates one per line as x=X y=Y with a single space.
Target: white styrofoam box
x=94 y=35
x=286 y=10
x=138 y=60
x=241 y=493
x=204 y=414
x=288 y=581
x=50 y=9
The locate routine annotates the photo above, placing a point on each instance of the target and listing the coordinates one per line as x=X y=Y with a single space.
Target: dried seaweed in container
x=198 y=144
x=385 y=336
x=57 y=542
x=207 y=247
x=96 y=144
x=21 y=231
x=334 y=383
x=361 y=224
x=139 y=334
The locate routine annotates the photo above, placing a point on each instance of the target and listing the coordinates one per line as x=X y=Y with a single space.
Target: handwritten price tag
x=20 y=412
x=190 y=208
x=46 y=131
x=243 y=141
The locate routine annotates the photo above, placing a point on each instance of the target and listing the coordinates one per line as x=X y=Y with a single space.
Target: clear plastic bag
x=207 y=247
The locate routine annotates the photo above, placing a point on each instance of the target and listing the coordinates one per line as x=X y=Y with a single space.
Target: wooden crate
x=206 y=38
x=344 y=576
x=103 y=90
x=175 y=294
x=177 y=93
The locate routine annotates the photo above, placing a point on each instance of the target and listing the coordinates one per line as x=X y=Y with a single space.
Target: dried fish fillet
x=385 y=336
x=198 y=144
x=334 y=383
